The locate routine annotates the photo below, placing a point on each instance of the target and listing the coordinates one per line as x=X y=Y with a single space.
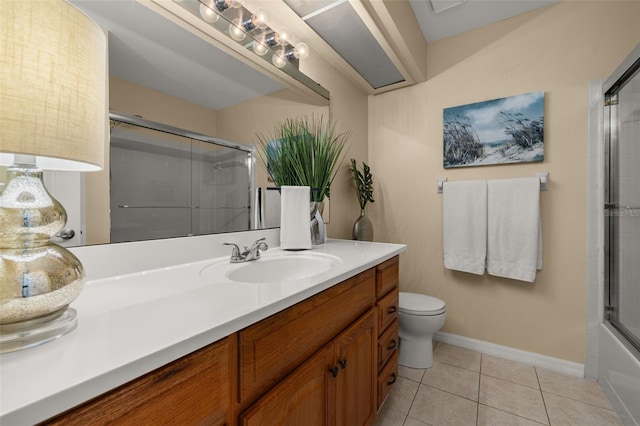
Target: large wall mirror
x=166 y=73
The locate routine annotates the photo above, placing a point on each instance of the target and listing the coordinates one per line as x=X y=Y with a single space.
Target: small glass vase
x=362 y=228
x=318 y=228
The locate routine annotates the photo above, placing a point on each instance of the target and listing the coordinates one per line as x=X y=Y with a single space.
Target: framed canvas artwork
x=498 y=131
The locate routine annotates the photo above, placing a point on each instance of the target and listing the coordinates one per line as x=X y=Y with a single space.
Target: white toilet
x=420 y=317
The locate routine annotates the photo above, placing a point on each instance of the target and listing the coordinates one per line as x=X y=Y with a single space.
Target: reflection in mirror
x=168 y=74
x=167 y=182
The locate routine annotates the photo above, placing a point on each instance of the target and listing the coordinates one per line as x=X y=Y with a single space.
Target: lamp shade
x=53 y=85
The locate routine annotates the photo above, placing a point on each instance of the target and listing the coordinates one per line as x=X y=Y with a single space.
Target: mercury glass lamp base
x=26 y=334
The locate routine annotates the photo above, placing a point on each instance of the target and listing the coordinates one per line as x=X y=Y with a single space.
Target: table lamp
x=53 y=115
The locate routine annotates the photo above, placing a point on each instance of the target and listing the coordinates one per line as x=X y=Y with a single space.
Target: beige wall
x=557 y=50
x=349 y=107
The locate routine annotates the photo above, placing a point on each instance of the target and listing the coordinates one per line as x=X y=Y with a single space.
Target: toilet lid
x=420 y=304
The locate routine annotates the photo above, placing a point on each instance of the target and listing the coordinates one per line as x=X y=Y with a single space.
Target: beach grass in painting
x=499 y=131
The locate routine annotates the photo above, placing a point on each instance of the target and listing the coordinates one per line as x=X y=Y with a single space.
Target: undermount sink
x=278 y=267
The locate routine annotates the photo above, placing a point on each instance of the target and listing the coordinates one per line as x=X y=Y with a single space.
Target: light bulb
x=259 y=48
x=301 y=51
x=284 y=36
x=208 y=14
x=257 y=20
x=279 y=59
x=260 y=19
x=235 y=30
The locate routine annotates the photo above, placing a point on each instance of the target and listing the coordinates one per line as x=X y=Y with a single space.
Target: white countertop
x=131 y=324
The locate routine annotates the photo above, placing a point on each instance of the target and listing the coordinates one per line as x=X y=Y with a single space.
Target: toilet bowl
x=420 y=317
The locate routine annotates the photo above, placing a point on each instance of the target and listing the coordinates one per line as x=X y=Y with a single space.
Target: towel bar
x=543 y=176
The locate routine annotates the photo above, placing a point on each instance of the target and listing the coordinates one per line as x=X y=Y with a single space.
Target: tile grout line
x=544 y=403
x=413 y=400
x=512 y=414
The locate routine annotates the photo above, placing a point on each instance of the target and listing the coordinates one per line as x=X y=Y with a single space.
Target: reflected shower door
x=167 y=182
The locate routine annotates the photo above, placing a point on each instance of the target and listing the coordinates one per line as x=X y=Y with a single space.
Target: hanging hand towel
x=464 y=219
x=514 y=241
x=294 y=218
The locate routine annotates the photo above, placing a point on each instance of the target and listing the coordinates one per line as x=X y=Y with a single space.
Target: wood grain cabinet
x=387 y=295
x=336 y=386
x=193 y=390
x=328 y=360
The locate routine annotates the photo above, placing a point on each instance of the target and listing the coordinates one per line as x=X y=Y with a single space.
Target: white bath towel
x=464 y=219
x=295 y=231
x=514 y=231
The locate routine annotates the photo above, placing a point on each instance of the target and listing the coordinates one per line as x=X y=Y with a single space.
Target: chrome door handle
x=66 y=234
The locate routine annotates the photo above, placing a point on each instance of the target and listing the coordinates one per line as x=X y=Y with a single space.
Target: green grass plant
x=303 y=151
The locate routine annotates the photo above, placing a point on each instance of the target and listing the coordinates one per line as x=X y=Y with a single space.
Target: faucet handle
x=235 y=253
x=261 y=243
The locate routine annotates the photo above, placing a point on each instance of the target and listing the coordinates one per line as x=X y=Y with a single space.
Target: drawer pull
x=393 y=379
x=334 y=371
x=393 y=345
x=343 y=363
x=392 y=310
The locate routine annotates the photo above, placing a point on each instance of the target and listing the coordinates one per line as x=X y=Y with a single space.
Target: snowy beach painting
x=498 y=131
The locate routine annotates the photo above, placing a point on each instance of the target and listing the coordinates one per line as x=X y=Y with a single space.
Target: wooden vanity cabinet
x=275 y=346
x=336 y=386
x=387 y=296
x=193 y=390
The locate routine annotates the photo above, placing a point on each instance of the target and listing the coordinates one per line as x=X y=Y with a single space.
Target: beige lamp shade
x=53 y=85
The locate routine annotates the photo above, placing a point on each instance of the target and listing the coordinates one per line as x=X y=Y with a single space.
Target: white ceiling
x=148 y=50
x=443 y=18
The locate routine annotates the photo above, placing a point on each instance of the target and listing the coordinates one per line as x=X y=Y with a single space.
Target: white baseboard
x=550 y=363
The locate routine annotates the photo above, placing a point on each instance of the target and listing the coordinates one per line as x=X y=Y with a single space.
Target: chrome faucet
x=248 y=254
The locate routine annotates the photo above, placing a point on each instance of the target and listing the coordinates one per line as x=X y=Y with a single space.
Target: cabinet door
x=274 y=347
x=356 y=357
x=303 y=398
x=194 y=390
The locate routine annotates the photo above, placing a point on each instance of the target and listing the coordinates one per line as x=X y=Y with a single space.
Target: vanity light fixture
x=53 y=80
x=223 y=5
x=282 y=56
x=301 y=51
x=208 y=14
x=259 y=48
x=242 y=23
x=235 y=30
x=257 y=20
x=279 y=58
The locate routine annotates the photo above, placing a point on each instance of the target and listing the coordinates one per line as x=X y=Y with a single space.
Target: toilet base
x=416 y=353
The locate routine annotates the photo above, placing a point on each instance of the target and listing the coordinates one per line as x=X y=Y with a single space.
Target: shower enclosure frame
x=611 y=89
x=610 y=357
x=250 y=150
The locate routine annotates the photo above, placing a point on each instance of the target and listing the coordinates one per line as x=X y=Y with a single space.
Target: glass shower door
x=622 y=208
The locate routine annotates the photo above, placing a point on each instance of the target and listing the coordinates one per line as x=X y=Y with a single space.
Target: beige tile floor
x=466 y=387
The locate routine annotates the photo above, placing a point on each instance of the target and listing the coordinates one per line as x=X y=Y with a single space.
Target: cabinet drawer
x=195 y=389
x=387 y=378
x=387 y=277
x=387 y=310
x=274 y=347
x=387 y=344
